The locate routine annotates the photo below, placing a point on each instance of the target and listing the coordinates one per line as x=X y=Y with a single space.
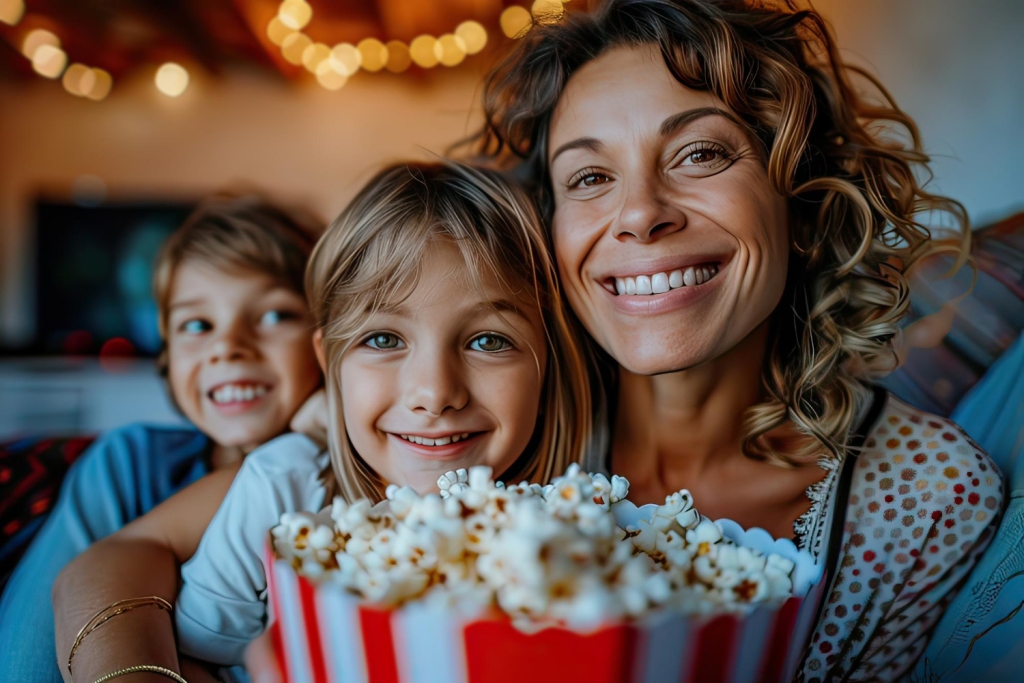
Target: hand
x=261 y=660
x=311 y=418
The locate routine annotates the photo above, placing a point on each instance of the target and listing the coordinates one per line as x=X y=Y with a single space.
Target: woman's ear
x=318 y=349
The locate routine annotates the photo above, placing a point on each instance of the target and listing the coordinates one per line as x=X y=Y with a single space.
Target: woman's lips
x=444 y=447
x=665 y=301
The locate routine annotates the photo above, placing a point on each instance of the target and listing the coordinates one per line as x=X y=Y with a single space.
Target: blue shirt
x=124 y=475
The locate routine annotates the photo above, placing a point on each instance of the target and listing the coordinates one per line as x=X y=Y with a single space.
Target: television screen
x=94 y=273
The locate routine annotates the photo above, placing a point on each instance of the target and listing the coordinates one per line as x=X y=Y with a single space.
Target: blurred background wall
x=953 y=65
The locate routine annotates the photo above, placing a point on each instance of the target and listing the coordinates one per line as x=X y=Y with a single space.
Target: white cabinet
x=58 y=396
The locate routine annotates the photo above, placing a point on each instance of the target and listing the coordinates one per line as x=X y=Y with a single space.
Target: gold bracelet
x=101 y=617
x=139 y=669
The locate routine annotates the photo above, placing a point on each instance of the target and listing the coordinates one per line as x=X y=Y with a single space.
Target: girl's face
x=671 y=244
x=448 y=377
x=240 y=354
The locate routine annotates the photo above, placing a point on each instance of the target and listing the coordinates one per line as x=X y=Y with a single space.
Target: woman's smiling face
x=672 y=245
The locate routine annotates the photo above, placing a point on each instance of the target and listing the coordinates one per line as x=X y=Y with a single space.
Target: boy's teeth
x=236 y=393
x=659 y=283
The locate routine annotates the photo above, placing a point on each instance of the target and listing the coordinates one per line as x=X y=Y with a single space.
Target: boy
x=239 y=363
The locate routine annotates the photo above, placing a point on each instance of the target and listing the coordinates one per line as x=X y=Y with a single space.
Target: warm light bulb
x=49 y=61
x=101 y=85
x=78 y=79
x=172 y=79
x=374 y=54
x=346 y=59
x=473 y=35
x=313 y=55
x=294 y=46
x=398 y=57
x=328 y=77
x=295 y=14
x=277 y=31
x=11 y=11
x=547 y=11
x=423 y=51
x=453 y=49
x=516 y=21
x=36 y=39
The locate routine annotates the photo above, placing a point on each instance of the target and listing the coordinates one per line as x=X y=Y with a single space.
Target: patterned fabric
x=924 y=501
x=31 y=471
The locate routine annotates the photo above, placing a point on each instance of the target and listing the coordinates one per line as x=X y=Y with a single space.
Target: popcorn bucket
x=323 y=634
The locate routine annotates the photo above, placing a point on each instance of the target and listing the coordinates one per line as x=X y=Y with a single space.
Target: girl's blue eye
x=276 y=317
x=384 y=341
x=195 y=326
x=490 y=343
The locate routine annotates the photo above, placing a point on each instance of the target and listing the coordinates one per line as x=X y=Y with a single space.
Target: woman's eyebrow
x=592 y=144
x=674 y=123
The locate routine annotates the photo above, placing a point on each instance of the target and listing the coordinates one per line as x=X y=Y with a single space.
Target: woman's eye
x=490 y=343
x=588 y=178
x=195 y=326
x=384 y=342
x=702 y=157
x=276 y=317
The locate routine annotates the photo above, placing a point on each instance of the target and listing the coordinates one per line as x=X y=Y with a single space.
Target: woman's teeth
x=441 y=441
x=659 y=283
x=236 y=393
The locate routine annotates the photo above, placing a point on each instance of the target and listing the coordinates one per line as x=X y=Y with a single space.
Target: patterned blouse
x=921 y=502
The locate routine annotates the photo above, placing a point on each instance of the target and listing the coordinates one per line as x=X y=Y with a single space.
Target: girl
x=232 y=314
x=442 y=337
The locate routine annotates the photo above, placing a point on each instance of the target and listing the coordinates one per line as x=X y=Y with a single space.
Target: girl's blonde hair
x=831 y=134
x=371 y=254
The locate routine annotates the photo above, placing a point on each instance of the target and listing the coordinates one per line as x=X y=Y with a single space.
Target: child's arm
x=140 y=560
x=222 y=602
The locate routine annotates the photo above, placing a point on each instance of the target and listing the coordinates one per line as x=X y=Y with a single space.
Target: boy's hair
x=236 y=233
x=372 y=253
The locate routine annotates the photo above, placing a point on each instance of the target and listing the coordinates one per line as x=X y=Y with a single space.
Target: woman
x=733 y=225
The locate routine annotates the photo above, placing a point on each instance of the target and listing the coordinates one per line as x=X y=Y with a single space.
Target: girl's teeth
x=659 y=283
x=440 y=441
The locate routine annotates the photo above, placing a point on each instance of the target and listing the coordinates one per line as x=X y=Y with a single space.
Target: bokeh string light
x=332 y=66
x=285 y=30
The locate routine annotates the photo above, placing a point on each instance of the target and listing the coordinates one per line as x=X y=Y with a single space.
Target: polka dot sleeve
x=923 y=505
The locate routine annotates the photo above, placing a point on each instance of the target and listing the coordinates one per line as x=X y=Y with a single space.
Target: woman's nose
x=647 y=214
x=433 y=384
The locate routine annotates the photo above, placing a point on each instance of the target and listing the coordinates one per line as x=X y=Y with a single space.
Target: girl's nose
x=434 y=385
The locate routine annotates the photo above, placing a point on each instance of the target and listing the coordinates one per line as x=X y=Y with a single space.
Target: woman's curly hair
x=836 y=146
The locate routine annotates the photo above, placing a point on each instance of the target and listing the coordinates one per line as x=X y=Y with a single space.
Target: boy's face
x=240 y=352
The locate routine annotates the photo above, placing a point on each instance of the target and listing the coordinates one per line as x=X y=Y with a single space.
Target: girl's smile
x=448 y=375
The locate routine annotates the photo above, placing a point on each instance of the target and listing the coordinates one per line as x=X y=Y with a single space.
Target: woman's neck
x=671 y=428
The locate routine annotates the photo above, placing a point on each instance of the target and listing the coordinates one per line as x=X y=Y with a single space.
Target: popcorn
x=551 y=555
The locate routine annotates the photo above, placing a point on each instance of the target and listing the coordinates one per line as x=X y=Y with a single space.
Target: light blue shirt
x=124 y=475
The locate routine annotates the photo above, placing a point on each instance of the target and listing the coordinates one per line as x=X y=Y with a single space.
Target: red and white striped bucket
x=324 y=635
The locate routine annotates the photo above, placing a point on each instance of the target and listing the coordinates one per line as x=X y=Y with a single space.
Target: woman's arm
x=141 y=560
